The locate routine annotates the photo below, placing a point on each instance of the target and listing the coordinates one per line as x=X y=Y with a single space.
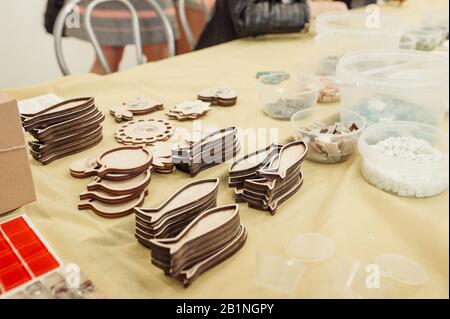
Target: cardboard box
x=16 y=182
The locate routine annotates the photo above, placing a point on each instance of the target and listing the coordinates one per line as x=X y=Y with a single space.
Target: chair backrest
x=70 y=6
x=185 y=23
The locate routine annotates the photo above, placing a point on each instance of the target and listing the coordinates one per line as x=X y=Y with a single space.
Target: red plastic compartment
x=14 y=277
x=42 y=264
x=32 y=249
x=14 y=226
x=8 y=260
x=23 y=237
x=4 y=246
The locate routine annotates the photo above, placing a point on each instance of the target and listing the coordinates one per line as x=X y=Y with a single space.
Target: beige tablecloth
x=335 y=200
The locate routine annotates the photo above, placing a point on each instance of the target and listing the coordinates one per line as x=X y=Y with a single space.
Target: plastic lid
x=310 y=247
x=393 y=68
x=402 y=269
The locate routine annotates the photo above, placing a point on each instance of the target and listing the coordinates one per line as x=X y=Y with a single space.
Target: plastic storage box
x=281 y=97
x=339 y=33
x=411 y=178
x=328 y=148
x=394 y=85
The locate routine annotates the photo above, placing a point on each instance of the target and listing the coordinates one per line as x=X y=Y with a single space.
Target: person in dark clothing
x=222 y=26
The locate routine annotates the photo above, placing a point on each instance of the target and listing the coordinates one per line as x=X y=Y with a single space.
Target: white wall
x=26 y=50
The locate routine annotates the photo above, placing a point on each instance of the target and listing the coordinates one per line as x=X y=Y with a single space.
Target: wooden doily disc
x=144 y=131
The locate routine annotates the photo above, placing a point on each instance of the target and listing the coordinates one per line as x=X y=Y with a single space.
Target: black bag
x=51 y=12
x=258 y=17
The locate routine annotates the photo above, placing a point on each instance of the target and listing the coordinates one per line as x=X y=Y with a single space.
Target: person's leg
x=155 y=52
x=113 y=56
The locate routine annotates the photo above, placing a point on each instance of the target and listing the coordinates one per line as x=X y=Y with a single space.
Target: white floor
x=26 y=50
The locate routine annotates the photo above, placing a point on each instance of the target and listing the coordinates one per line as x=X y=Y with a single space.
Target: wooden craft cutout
x=123 y=187
x=222 y=96
x=107 y=198
x=139 y=106
x=84 y=167
x=187 y=276
x=65 y=127
x=291 y=155
x=189 y=110
x=46 y=149
x=175 y=221
x=251 y=162
x=188 y=194
x=59 y=109
x=115 y=164
x=162 y=157
x=45 y=160
x=33 y=123
x=147 y=131
x=208 y=141
x=205 y=223
x=112 y=210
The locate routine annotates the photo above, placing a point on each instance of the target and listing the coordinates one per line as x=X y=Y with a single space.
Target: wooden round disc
x=144 y=131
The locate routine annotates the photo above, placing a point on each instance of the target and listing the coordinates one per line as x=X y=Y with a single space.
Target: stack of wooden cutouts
x=140 y=106
x=162 y=158
x=169 y=219
x=213 y=149
x=247 y=167
x=148 y=132
x=221 y=96
x=64 y=129
x=189 y=110
x=120 y=179
x=212 y=237
x=267 y=183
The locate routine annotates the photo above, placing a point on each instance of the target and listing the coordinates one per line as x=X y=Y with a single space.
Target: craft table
x=335 y=200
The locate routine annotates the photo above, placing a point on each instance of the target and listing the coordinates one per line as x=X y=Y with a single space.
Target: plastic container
x=277 y=273
x=310 y=247
x=411 y=178
x=328 y=148
x=352 y=280
x=281 y=97
x=339 y=33
x=428 y=38
x=353 y=23
x=408 y=41
x=394 y=85
x=402 y=275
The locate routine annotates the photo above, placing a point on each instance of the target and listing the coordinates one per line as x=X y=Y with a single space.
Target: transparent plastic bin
x=328 y=148
x=281 y=97
x=277 y=273
x=404 y=177
x=339 y=33
x=394 y=85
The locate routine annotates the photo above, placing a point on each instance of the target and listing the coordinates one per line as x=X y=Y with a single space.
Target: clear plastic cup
x=404 y=276
x=277 y=273
x=353 y=280
x=310 y=247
